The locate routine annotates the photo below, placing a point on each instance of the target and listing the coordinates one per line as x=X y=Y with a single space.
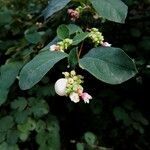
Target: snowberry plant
x=85 y=47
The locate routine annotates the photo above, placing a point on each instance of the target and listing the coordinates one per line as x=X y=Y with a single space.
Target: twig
x=80 y=50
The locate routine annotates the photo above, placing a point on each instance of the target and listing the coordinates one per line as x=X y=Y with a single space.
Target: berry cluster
x=62 y=45
x=71 y=86
x=97 y=38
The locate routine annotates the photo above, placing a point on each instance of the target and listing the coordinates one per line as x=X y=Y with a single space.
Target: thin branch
x=80 y=50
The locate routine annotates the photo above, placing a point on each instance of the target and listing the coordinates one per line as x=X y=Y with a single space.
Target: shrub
x=56 y=59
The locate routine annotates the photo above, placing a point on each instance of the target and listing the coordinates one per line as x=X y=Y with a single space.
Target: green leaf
x=32 y=36
x=3 y=95
x=12 y=137
x=40 y=108
x=137 y=126
x=121 y=115
x=81 y=1
x=5 y=17
x=62 y=32
x=73 y=58
x=24 y=136
x=113 y=10
x=40 y=126
x=49 y=138
x=41 y=138
x=52 y=124
x=42 y=91
x=2 y=136
x=21 y=116
x=73 y=29
x=5 y=146
x=19 y=104
x=96 y=107
x=53 y=137
x=80 y=146
x=80 y=37
x=33 y=71
x=109 y=64
x=6 y=123
x=8 y=74
x=30 y=125
x=90 y=138
x=137 y=116
x=43 y=147
x=54 y=6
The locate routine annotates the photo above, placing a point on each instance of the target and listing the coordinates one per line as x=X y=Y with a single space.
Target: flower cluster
x=97 y=38
x=62 y=45
x=71 y=86
x=75 y=14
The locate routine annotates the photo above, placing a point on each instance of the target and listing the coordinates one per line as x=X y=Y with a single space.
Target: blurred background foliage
x=117 y=117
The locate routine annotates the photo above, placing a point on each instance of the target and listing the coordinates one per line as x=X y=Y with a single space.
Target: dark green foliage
x=33 y=71
x=108 y=68
x=62 y=32
x=114 y=10
x=33 y=117
x=73 y=58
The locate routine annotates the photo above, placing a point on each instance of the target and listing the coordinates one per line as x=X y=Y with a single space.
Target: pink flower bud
x=86 y=97
x=80 y=90
x=74 y=14
x=70 y=11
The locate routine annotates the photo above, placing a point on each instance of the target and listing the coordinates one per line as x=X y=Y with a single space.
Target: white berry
x=60 y=86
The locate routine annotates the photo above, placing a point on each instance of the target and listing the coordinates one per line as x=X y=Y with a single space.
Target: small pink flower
x=86 y=97
x=70 y=11
x=73 y=14
x=74 y=97
x=54 y=48
x=106 y=44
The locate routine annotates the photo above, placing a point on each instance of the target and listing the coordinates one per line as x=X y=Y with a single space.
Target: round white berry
x=60 y=86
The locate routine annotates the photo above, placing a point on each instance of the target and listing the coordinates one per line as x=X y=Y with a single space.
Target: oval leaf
x=109 y=64
x=54 y=6
x=113 y=10
x=33 y=71
x=62 y=31
x=90 y=138
x=73 y=58
x=80 y=146
x=32 y=36
x=80 y=37
x=6 y=123
x=73 y=29
x=8 y=74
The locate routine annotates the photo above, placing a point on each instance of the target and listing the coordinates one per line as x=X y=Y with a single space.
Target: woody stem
x=80 y=50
